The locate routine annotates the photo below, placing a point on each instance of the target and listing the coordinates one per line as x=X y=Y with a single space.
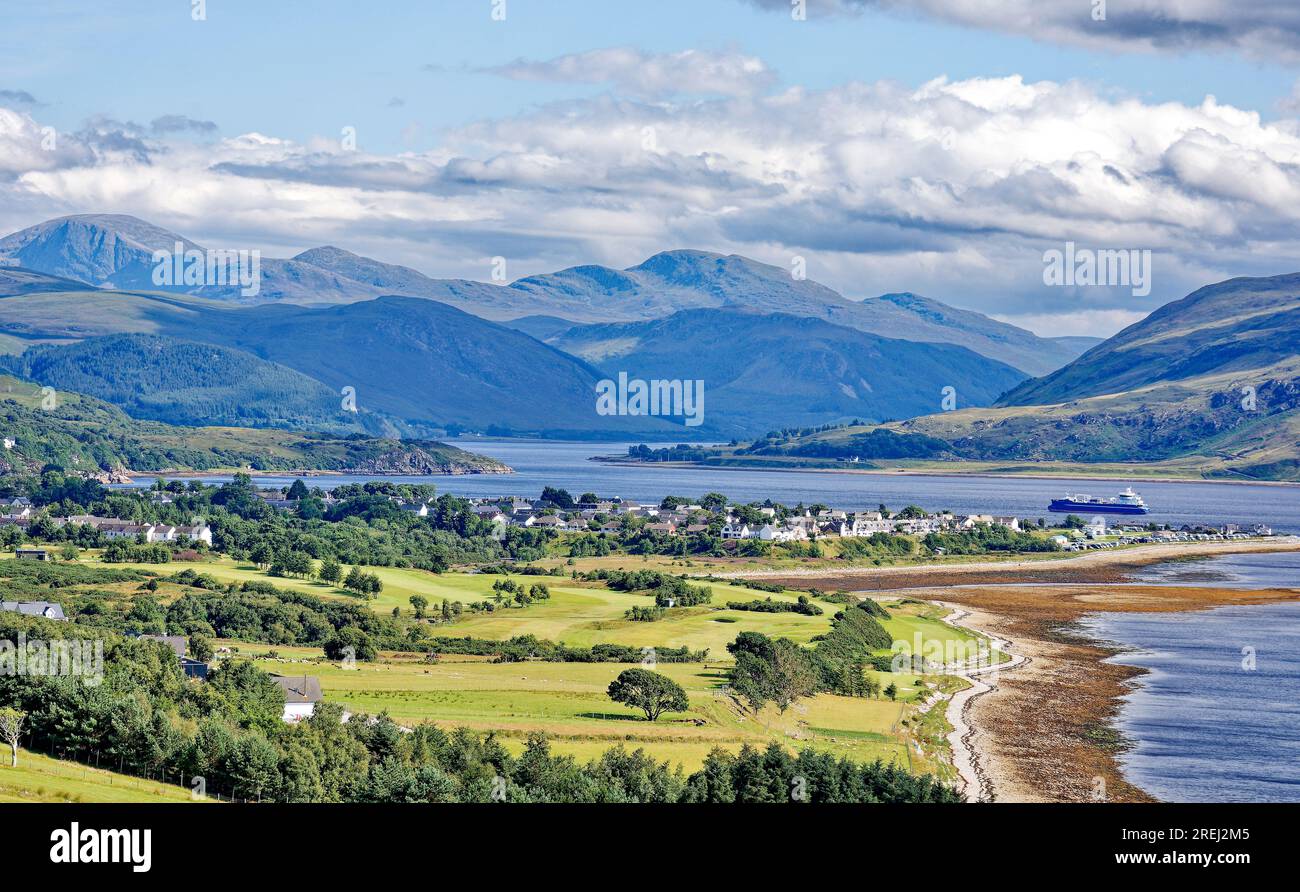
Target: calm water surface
x=1207 y=725
x=540 y=463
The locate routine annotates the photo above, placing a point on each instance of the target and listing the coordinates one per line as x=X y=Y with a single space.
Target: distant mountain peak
x=324 y=253
x=98 y=249
x=903 y=298
x=685 y=265
x=125 y=227
x=114 y=250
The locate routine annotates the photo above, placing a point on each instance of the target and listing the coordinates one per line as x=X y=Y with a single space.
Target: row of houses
x=113 y=528
x=863 y=524
x=110 y=527
x=612 y=517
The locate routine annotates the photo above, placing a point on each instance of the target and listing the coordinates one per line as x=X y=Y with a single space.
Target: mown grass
x=568 y=701
x=40 y=778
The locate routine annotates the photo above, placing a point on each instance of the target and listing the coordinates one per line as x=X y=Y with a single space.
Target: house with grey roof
x=301 y=694
x=44 y=609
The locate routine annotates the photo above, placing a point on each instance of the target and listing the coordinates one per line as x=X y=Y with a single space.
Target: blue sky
x=296 y=68
x=935 y=146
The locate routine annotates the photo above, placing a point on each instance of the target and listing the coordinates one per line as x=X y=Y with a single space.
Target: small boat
x=1127 y=502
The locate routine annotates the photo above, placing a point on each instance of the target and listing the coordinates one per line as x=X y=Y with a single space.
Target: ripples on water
x=1205 y=728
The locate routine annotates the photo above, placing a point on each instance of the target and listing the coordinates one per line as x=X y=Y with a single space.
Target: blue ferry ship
x=1127 y=502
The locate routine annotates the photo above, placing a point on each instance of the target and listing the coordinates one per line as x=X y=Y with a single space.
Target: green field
x=582 y=614
x=42 y=779
x=568 y=701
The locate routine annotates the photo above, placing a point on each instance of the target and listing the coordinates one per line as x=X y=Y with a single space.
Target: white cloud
x=1085 y=323
x=650 y=75
x=952 y=189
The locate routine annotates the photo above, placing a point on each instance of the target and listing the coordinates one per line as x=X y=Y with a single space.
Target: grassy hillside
x=1235 y=326
x=39 y=778
x=568 y=701
x=183 y=382
x=16 y=280
x=1186 y=428
x=85 y=434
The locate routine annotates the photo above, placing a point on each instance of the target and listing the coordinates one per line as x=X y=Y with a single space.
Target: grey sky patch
x=18 y=97
x=107 y=135
x=174 y=124
x=1264 y=29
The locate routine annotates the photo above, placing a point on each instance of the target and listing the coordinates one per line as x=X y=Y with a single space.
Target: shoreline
x=968 y=760
x=940 y=472
x=1047 y=730
x=1092 y=566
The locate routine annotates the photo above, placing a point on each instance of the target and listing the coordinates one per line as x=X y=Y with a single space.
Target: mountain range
x=425 y=355
x=1207 y=384
x=820 y=370
x=116 y=251
x=412 y=365
x=1212 y=379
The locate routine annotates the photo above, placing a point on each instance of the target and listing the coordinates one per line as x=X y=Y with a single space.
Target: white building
x=770 y=533
x=737 y=530
x=301 y=694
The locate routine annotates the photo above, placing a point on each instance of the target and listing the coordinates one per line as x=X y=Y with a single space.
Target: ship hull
x=1067 y=505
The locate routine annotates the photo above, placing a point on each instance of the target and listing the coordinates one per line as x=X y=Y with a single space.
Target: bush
x=803 y=606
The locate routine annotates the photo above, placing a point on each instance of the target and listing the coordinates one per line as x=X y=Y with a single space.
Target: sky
x=936 y=146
